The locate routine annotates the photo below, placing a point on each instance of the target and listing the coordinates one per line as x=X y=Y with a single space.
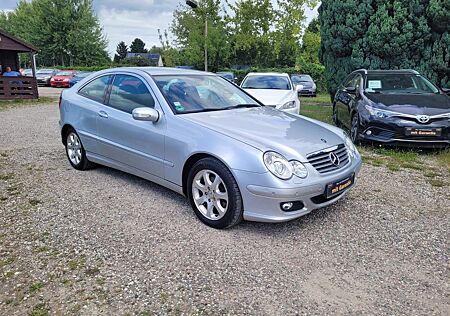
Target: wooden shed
x=23 y=87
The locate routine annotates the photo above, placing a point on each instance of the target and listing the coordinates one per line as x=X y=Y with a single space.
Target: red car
x=62 y=79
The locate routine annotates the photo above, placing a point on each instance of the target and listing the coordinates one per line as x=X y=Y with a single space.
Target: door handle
x=103 y=114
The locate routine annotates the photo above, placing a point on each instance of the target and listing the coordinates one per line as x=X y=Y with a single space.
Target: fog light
x=292 y=206
x=287 y=206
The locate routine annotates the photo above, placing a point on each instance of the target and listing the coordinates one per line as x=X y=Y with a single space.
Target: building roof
x=12 y=43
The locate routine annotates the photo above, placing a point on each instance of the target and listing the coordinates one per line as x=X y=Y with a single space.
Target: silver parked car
x=204 y=137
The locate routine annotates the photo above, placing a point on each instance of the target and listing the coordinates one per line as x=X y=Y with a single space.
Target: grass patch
x=6 y=261
x=39 y=310
x=6 y=177
x=443 y=158
x=36 y=286
x=66 y=281
x=318 y=108
x=34 y=202
x=75 y=264
x=8 y=104
x=100 y=281
x=437 y=183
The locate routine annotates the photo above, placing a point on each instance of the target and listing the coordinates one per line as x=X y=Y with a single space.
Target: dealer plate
x=337 y=187
x=410 y=131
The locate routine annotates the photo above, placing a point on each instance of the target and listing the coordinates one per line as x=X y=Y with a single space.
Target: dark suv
x=398 y=107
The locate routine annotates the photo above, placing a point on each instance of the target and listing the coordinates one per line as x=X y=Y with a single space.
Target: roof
x=150 y=56
x=268 y=74
x=390 y=71
x=12 y=43
x=155 y=71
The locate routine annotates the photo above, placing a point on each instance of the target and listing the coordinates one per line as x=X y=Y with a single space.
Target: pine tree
x=137 y=46
x=391 y=34
x=121 y=52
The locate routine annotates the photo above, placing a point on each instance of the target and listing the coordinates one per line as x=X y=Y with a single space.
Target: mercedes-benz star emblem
x=423 y=118
x=334 y=159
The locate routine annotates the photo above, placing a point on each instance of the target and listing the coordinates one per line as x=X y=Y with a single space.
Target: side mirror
x=299 y=87
x=446 y=90
x=351 y=90
x=145 y=114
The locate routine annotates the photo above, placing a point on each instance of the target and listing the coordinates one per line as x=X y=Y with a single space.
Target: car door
x=136 y=144
x=91 y=100
x=345 y=99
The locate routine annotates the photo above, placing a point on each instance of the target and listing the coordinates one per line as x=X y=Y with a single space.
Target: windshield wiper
x=243 y=105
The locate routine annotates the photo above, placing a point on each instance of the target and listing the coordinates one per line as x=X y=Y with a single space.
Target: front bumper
x=42 y=81
x=392 y=131
x=60 y=84
x=262 y=201
x=308 y=92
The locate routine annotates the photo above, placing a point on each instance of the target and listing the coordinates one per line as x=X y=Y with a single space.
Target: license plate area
x=337 y=187
x=411 y=131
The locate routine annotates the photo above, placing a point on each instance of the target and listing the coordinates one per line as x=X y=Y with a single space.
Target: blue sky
x=126 y=20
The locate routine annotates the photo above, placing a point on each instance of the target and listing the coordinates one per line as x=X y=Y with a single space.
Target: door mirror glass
x=446 y=90
x=145 y=114
x=351 y=90
x=299 y=87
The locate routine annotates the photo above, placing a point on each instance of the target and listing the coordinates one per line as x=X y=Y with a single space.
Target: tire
x=335 y=116
x=75 y=151
x=218 y=204
x=355 y=129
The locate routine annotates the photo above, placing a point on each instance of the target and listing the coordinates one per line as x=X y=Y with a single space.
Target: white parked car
x=273 y=89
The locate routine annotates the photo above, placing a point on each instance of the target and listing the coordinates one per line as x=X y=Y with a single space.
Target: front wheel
x=214 y=194
x=354 y=132
x=335 y=116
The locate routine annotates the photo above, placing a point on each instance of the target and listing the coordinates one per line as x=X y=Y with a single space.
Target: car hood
x=269 y=129
x=269 y=96
x=62 y=77
x=43 y=75
x=414 y=104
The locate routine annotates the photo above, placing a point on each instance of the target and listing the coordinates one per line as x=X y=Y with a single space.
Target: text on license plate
x=423 y=131
x=341 y=185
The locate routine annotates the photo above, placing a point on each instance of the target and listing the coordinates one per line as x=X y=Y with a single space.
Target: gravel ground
x=103 y=242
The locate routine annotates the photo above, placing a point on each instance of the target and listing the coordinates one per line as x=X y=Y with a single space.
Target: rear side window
x=95 y=90
x=129 y=92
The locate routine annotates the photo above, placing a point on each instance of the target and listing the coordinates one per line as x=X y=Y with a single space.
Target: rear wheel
x=214 y=194
x=75 y=151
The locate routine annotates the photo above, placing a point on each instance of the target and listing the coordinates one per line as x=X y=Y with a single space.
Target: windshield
x=65 y=73
x=301 y=79
x=226 y=75
x=83 y=74
x=44 y=71
x=199 y=93
x=398 y=84
x=267 y=82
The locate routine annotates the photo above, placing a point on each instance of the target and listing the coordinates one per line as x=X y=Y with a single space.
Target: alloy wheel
x=210 y=194
x=74 y=149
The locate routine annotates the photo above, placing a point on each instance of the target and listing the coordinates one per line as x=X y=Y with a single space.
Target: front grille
x=322 y=162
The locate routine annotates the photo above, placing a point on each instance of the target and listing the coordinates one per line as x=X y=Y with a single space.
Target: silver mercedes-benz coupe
x=203 y=137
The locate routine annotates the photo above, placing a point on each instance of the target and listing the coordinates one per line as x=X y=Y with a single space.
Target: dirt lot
x=104 y=242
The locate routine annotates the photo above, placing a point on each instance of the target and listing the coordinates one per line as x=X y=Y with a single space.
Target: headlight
x=66 y=80
x=278 y=165
x=299 y=169
x=282 y=168
x=380 y=113
x=288 y=105
x=351 y=148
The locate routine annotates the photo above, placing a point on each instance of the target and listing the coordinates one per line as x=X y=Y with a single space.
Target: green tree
x=309 y=51
x=188 y=26
x=121 y=52
x=66 y=32
x=137 y=46
x=391 y=34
